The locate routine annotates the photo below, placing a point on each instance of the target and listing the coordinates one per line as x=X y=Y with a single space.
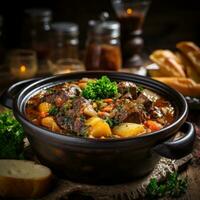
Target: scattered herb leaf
x=53 y=111
x=174 y=186
x=112 y=122
x=139 y=88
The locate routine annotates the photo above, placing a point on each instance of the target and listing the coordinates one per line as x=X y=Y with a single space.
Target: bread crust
x=188 y=67
x=168 y=63
x=184 y=85
x=192 y=52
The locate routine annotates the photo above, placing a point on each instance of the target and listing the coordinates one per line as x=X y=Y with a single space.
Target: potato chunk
x=44 y=107
x=128 y=130
x=50 y=123
x=98 y=127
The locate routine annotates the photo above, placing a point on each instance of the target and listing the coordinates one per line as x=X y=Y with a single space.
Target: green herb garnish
x=112 y=122
x=53 y=111
x=11 y=137
x=100 y=89
x=172 y=187
x=139 y=88
x=49 y=90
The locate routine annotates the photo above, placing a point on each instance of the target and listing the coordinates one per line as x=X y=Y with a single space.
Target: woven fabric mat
x=67 y=190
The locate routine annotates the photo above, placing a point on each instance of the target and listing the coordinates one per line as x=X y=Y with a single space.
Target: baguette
x=192 y=52
x=184 y=85
x=23 y=179
x=168 y=63
x=188 y=67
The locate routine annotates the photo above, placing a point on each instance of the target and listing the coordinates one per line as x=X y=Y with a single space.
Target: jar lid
x=39 y=12
x=68 y=28
x=111 y=28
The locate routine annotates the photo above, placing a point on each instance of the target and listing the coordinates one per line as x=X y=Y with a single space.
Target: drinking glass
x=22 y=63
x=66 y=65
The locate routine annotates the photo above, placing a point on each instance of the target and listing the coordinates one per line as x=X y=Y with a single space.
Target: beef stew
x=99 y=108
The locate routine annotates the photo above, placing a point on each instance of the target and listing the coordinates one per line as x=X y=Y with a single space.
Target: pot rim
x=80 y=140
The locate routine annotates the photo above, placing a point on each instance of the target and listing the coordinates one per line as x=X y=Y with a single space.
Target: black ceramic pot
x=109 y=160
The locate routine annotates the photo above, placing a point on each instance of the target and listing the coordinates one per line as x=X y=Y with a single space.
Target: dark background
x=167 y=22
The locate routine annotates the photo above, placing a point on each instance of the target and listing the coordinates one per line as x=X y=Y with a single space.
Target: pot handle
x=9 y=94
x=180 y=147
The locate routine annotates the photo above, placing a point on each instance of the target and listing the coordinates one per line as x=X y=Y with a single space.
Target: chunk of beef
x=129 y=111
x=145 y=101
x=70 y=119
x=127 y=87
x=134 y=117
x=50 y=98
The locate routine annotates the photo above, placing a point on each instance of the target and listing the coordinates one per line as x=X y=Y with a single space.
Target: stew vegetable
x=99 y=108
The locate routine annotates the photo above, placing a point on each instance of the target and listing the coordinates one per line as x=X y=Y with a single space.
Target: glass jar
x=65 y=41
x=103 y=46
x=37 y=32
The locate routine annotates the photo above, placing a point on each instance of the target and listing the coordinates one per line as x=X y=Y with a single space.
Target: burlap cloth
x=67 y=190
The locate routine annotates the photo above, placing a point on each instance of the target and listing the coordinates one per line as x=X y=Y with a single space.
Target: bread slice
x=184 y=85
x=23 y=179
x=168 y=63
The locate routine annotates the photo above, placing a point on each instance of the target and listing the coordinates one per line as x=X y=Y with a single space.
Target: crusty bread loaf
x=168 y=63
x=188 y=67
x=184 y=85
x=192 y=52
x=23 y=179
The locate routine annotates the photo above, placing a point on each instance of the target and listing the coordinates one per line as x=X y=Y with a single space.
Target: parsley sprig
x=11 y=137
x=100 y=89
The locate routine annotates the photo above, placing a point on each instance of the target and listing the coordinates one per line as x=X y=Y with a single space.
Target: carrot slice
x=107 y=108
x=109 y=100
x=153 y=125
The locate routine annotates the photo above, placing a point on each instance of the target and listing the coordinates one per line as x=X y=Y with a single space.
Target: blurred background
x=167 y=21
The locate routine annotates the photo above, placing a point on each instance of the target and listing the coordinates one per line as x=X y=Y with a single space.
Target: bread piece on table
x=188 y=67
x=23 y=179
x=192 y=52
x=168 y=63
x=184 y=85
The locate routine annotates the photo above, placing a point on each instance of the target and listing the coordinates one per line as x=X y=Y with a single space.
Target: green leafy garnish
x=139 y=88
x=176 y=186
x=172 y=187
x=11 y=137
x=53 y=111
x=112 y=122
x=100 y=89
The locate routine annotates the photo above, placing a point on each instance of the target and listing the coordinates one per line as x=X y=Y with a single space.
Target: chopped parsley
x=174 y=186
x=53 y=111
x=100 y=89
x=50 y=90
x=112 y=122
x=139 y=88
